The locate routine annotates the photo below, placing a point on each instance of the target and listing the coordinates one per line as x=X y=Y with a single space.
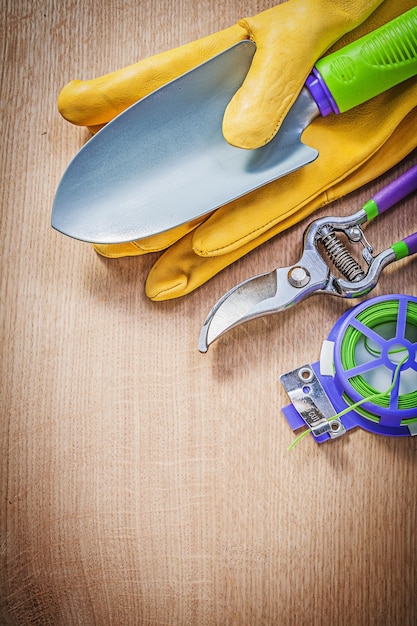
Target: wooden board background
x=143 y=483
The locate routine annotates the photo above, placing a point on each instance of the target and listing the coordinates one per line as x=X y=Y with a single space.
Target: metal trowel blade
x=164 y=161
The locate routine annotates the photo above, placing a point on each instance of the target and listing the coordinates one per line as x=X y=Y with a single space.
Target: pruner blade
x=264 y=294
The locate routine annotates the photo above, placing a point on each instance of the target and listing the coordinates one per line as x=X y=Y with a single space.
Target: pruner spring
x=324 y=235
x=340 y=256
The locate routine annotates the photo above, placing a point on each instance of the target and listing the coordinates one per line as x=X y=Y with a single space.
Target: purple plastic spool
x=391 y=417
x=338 y=384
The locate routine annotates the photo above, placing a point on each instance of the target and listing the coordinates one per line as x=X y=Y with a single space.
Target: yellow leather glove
x=354 y=147
x=289 y=39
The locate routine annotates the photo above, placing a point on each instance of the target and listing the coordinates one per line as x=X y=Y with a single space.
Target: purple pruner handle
x=411 y=243
x=396 y=191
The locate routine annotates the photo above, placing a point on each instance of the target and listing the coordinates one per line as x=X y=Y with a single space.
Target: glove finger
x=343 y=142
x=283 y=61
x=180 y=271
x=95 y=102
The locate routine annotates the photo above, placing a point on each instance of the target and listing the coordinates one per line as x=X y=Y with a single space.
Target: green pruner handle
x=372 y=64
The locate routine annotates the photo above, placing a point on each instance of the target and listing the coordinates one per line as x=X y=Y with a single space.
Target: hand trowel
x=164 y=161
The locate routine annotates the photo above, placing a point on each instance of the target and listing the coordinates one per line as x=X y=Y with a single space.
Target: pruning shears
x=326 y=266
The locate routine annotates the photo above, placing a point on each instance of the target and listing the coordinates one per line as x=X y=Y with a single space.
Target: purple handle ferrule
x=321 y=94
x=397 y=190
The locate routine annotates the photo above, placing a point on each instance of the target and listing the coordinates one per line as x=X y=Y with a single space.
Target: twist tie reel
x=366 y=376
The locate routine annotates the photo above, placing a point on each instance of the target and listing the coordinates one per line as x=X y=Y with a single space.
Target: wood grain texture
x=143 y=483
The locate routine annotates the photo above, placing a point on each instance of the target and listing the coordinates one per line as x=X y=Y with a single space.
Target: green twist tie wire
x=373 y=317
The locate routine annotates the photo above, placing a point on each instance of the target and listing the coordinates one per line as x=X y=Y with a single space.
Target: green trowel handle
x=372 y=64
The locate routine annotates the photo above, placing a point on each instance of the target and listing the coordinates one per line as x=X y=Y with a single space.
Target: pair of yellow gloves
x=354 y=148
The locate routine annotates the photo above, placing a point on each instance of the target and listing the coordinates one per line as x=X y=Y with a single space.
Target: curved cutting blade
x=164 y=161
x=265 y=294
x=237 y=306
